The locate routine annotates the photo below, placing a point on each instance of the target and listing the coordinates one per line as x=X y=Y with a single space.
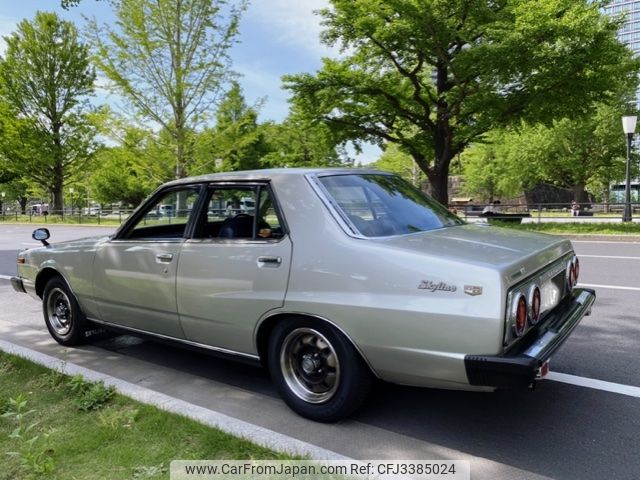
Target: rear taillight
x=520 y=315
x=535 y=301
x=576 y=268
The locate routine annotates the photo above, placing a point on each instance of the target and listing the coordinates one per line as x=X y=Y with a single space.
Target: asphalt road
x=558 y=431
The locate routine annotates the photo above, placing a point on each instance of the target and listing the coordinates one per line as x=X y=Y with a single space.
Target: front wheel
x=317 y=371
x=64 y=319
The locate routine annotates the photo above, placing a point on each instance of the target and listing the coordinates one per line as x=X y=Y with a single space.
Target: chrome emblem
x=435 y=286
x=472 y=290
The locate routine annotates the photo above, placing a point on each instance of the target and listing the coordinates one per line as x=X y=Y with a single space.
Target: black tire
x=321 y=383
x=62 y=315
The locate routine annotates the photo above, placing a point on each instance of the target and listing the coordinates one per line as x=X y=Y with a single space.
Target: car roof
x=268 y=174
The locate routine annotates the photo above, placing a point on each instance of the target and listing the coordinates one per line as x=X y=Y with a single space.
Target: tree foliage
x=396 y=161
x=130 y=171
x=301 y=141
x=434 y=76
x=236 y=142
x=45 y=78
x=169 y=59
x=570 y=153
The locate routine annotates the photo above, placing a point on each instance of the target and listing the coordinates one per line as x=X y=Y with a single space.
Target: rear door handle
x=271 y=261
x=164 y=257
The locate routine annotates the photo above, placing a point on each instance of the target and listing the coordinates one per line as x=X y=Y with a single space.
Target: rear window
x=385 y=205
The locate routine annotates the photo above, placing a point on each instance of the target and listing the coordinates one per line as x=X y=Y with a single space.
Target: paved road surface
x=559 y=431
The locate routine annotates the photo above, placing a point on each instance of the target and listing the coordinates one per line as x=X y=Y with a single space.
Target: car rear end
x=541 y=311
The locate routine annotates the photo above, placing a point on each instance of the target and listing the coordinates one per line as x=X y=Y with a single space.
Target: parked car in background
x=336 y=277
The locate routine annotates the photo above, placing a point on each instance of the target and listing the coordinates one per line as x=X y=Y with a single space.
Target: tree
x=45 y=78
x=236 y=142
x=132 y=170
x=169 y=59
x=301 y=141
x=570 y=153
x=396 y=161
x=434 y=76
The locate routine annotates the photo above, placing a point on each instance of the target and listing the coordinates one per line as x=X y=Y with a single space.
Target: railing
x=545 y=212
x=104 y=217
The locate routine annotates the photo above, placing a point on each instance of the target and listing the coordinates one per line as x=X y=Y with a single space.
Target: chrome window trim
x=347 y=226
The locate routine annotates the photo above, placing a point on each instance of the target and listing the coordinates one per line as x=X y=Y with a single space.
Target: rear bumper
x=18 y=285
x=518 y=368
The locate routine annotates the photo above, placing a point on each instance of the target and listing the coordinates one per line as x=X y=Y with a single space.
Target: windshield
x=385 y=205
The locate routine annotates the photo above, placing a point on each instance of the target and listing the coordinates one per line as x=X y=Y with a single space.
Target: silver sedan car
x=329 y=278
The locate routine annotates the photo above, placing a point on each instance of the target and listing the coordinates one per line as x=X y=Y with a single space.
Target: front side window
x=385 y=205
x=167 y=217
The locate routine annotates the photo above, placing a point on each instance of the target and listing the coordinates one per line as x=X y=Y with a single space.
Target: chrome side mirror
x=42 y=235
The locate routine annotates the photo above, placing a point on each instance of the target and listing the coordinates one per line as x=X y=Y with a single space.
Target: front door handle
x=164 y=257
x=271 y=261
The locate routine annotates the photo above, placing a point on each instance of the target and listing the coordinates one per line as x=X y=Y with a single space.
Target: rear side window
x=243 y=212
x=385 y=205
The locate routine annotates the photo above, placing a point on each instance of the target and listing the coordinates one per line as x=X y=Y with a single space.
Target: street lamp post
x=629 y=128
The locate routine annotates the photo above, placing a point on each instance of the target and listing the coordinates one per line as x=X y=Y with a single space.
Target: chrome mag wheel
x=310 y=365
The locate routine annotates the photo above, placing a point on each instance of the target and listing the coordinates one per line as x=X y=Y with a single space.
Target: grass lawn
x=577 y=228
x=55 y=426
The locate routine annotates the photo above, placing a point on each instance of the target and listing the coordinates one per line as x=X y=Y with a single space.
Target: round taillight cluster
x=573 y=272
x=520 y=315
x=535 y=302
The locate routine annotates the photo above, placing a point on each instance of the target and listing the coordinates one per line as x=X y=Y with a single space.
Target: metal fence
x=539 y=213
x=545 y=212
x=104 y=217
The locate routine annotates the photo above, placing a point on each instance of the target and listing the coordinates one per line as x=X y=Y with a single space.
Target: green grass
x=576 y=228
x=82 y=431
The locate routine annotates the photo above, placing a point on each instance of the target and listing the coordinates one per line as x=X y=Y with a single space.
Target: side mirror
x=42 y=235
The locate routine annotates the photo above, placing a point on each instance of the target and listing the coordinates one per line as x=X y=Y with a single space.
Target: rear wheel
x=64 y=319
x=318 y=372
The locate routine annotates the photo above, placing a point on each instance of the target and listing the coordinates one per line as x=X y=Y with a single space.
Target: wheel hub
x=310 y=363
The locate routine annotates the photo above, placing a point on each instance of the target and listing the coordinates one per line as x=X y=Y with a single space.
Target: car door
x=134 y=274
x=235 y=268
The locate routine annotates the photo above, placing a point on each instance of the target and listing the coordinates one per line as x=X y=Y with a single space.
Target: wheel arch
x=266 y=326
x=43 y=278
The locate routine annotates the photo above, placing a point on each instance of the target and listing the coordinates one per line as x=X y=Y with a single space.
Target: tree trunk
x=23 y=205
x=57 y=191
x=439 y=181
x=580 y=194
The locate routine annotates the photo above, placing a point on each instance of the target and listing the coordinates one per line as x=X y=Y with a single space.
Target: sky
x=277 y=37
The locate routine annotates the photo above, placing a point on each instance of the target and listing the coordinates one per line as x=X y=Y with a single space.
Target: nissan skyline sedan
x=328 y=277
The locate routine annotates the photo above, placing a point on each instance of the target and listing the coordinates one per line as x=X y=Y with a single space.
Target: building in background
x=630 y=33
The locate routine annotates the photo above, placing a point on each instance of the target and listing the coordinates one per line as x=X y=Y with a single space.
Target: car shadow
x=550 y=431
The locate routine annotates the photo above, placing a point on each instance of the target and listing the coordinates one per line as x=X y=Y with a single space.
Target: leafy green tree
x=570 y=153
x=45 y=78
x=300 y=141
x=236 y=142
x=396 y=161
x=132 y=170
x=170 y=60
x=433 y=76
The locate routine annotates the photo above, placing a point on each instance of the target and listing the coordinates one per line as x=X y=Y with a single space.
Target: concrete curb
x=254 y=433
